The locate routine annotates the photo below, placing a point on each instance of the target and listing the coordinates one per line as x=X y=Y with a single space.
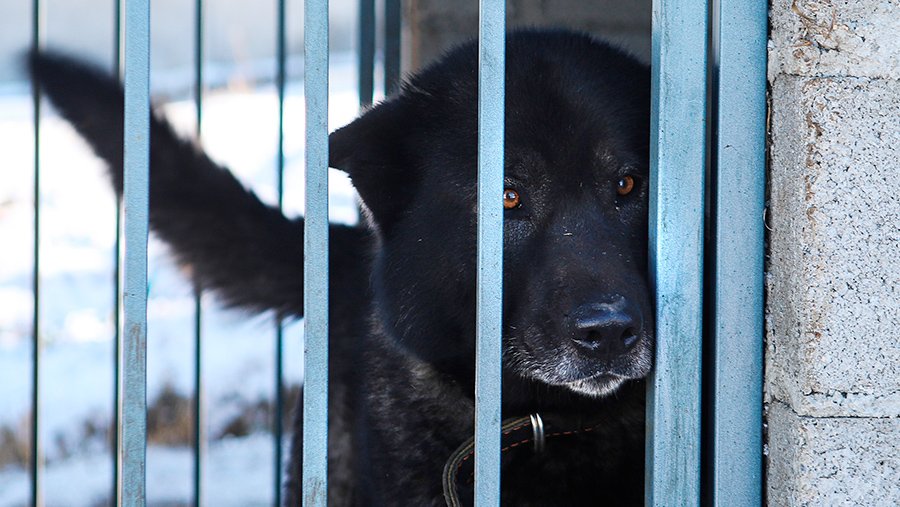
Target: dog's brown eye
x=625 y=185
x=510 y=199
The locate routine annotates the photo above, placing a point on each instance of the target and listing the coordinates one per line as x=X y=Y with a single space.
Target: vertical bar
x=277 y=423
x=392 y=46
x=366 y=52
x=35 y=469
x=116 y=493
x=677 y=155
x=134 y=297
x=738 y=327
x=315 y=257
x=491 y=74
x=199 y=420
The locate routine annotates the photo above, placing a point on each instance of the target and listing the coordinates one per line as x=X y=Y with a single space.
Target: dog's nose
x=606 y=329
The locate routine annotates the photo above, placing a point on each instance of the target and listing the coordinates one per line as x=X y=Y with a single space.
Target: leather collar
x=532 y=429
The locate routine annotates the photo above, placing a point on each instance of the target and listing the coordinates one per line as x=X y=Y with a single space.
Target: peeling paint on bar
x=134 y=296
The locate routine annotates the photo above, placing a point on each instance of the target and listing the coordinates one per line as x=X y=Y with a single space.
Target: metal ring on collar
x=537 y=425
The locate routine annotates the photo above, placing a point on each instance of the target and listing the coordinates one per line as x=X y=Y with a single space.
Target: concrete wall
x=833 y=288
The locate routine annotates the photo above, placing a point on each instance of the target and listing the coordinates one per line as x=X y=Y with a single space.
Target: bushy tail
x=247 y=252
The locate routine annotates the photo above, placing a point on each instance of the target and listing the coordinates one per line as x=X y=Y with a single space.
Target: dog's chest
x=416 y=424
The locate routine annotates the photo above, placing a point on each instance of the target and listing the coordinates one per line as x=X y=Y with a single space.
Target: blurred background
x=77 y=255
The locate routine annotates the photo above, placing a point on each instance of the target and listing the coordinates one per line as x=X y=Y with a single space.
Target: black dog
x=577 y=329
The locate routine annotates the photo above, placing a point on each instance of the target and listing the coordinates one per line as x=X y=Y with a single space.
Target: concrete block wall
x=833 y=283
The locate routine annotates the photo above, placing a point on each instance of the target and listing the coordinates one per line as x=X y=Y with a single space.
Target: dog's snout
x=606 y=329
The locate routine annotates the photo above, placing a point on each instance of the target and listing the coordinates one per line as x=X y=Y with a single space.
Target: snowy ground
x=76 y=264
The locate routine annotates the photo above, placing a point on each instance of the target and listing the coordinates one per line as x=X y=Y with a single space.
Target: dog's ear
x=373 y=151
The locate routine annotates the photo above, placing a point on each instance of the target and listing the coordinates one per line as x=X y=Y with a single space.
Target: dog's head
x=577 y=311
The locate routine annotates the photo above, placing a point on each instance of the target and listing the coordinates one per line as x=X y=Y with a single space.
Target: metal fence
x=706 y=237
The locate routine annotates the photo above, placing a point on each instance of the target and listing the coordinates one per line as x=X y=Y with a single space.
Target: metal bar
x=366 y=52
x=277 y=423
x=740 y=56
x=199 y=420
x=489 y=299
x=115 y=445
x=315 y=265
x=392 y=10
x=35 y=468
x=677 y=154
x=134 y=297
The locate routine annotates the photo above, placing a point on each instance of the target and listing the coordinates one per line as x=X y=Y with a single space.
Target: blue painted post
x=277 y=424
x=491 y=74
x=36 y=452
x=315 y=265
x=738 y=326
x=134 y=297
x=199 y=419
x=677 y=156
x=116 y=491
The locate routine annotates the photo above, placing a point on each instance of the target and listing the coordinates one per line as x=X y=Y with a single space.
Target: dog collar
x=518 y=431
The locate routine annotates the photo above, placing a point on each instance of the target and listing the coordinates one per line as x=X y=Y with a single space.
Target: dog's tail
x=249 y=253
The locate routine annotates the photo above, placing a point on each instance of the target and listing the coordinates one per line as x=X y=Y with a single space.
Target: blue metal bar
x=134 y=297
x=315 y=265
x=677 y=154
x=739 y=50
x=278 y=422
x=366 y=52
x=491 y=73
x=392 y=11
x=199 y=419
x=35 y=468
x=116 y=492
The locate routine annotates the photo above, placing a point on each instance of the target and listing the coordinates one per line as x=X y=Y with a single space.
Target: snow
x=238 y=473
x=76 y=299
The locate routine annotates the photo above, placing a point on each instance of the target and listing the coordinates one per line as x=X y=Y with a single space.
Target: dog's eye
x=625 y=185
x=511 y=199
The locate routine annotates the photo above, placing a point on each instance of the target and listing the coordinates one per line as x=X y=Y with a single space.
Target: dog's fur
x=403 y=284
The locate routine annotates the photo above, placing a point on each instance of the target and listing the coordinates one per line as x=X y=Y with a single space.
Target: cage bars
x=198 y=423
x=679 y=115
x=739 y=61
x=134 y=296
x=677 y=170
x=35 y=443
x=315 y=253
x=489 y=296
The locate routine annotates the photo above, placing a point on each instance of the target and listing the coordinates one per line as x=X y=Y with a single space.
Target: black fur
x=577 y=317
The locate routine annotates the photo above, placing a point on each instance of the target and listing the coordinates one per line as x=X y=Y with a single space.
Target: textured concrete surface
x=433 y=26
x=833 y=303
x=834 y=333
x=835 y=38
x=832 y=461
